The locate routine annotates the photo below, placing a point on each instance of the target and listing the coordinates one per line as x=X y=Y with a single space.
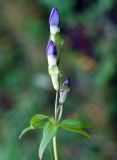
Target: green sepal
x=55 y=74
x=37 y=121
x=49 y=132
x=53 y=70
x=75 y=125
x=59 y=43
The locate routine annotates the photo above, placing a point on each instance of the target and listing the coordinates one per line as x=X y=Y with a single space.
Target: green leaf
x=77 y=130
x=38 y=121
x=49 y=132
x=36 y=126
x=75 y=125
x=25 y=130
x=53 y=121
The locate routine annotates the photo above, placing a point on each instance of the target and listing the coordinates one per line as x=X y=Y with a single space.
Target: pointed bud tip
x=54 y=17
x=68 y=81
x=51 y=48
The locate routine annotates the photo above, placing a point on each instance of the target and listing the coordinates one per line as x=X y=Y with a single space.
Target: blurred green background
x=89 y=56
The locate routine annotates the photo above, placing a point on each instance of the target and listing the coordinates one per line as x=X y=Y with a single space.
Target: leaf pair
x=51 y=128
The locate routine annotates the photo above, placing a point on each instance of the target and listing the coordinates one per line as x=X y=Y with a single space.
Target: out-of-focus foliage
x=89 y=56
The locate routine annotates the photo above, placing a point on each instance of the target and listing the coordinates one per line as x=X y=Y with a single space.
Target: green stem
x=60 y=113
x=56 y=104
x=55 y=148
x=54 y=138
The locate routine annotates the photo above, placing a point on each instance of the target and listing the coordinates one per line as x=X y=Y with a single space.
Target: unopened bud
x=64 y=92
x=54 y=21
x=51 y=53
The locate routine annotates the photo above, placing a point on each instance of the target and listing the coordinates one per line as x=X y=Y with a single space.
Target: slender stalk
x=54 y=138
x=55 y=148
x=56 y=103
x=60 y=113
x=58 y=108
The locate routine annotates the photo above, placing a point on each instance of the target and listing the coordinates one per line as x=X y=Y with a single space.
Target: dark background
x=89 y=56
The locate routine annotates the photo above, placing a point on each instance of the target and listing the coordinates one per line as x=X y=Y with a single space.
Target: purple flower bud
x=54 y=18
x=67 y=82
x=51 y=48
x=51 y=53
x=64 y=92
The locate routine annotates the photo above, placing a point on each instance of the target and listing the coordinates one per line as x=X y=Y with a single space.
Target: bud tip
x=54 y=17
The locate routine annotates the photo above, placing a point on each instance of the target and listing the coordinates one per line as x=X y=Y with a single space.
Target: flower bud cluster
x=53 y=55
x=51 y=49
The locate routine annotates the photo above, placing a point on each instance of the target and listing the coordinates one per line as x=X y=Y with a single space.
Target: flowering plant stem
x=55 y=148
x=56 y=104
x=60 y=113
x=54 y=138
x=51 y=125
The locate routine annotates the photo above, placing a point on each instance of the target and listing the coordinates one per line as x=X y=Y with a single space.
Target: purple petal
x=54 y=17
x=51 y=48
x=67 y=81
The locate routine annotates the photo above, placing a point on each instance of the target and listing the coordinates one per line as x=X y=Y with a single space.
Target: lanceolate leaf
x=76 y=126
x=76 y=123
x=48 y=133
x=25 y=130
x=38 y=121
x=77 y=130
